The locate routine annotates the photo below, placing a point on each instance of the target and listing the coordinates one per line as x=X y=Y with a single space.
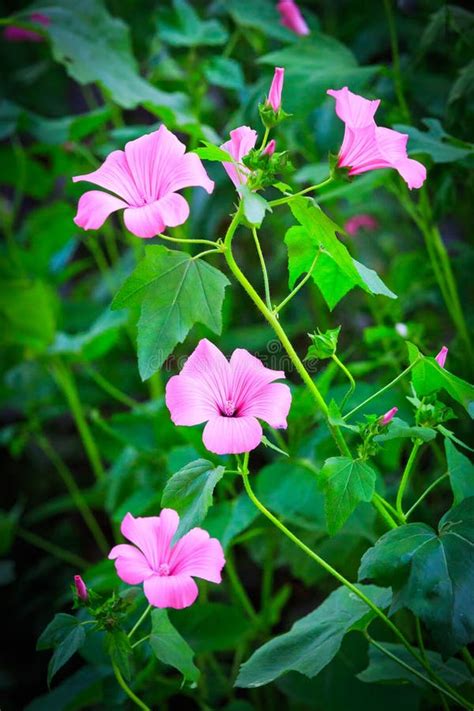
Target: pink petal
x=94 y=207
x=360 y=150
x=441 y=357
x=190 y=401
x=271 y=404
x=413 y=172
x=131 y=565
x=210 y=370
x=188 y=171
x=198 y=555
x=18 y=34
x=249 y=376
x=150 y=159
x=149 y=220
x=175 y=591
x=232 y=435
x=145 y=221
x=353 y=109
x=291 y=17
x=114 y=175
x=242 y=140
x=152 y=534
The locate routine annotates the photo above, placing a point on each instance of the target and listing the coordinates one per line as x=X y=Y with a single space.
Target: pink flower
x=81 y=588
x=166 y=570
x=270 y=149
x=291 y=17
x=441 y=357
x=388 y=417
x=242 y=140
x=367 y=146
x=274 y=95
x=359 y=222
x=229 y=396
x=19 y=34
x=145 y=176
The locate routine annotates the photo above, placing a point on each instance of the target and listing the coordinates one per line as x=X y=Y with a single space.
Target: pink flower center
x=164 y=569
x=229 y=408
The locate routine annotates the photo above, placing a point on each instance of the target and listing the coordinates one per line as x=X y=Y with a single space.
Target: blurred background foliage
x=74 y=413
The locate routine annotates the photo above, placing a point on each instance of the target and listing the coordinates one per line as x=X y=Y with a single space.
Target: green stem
x=406 y=476
x=425 y=493
x=111 y=389
x=137 y=624
x=75 y=492
x=127 y=689
x=265 y=139
x=182 y=240
x=391 y=509
x=382 y=390
x=307 y=276
x=349 y=377
x=275 y=324
x=287 y=198
x=266 y=282
x=230 y=46
x=332 y=571
x=66 y=382
x=444 y=689
x=72 y=559
x=421 y=646
x=207 y=251
x=377 y=502
x=239 y=590
x=397 y=74
x=143 y=639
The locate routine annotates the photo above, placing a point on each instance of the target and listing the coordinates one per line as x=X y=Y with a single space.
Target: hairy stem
x=425 y=493
x=137 y=624
x=111 y=389
x=138 y=702
x=348 y=375
x=384 y=389
x=65 y=379
x=284 y=200
x=75 y=492
x=307 y=276
x=263 y=266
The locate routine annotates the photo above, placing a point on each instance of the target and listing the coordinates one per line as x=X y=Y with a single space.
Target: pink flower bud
x=291 y=17
x=81 y=588
x=274 y=95
x=388 y=417
x=358 y=222
x=441 y=357
x=270 y=149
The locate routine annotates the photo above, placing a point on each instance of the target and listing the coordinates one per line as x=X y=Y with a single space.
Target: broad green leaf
x=290 y=490
x=313 y=246
x=170 y=648
x=461 y=473
x=450 y=435
x=119 y=648
x=431 y=574
x=254 y=204
x=428 y=377
x=56 y=131
x=398 y=428
x=66 y=634
x=211 y=626
x=435 y=142
x=311 y=66
x=383 y=669
x=314 y=639
x=345 y=482
x=174 y=291
x=27 y=314
x=108 y=62
x=36 y=179
x=464 y=84
x=213 y=153
x=50 y=230
x=189 y=492
x=94 y=343
x=224 y=72
x=259 y=15
x=186 y=29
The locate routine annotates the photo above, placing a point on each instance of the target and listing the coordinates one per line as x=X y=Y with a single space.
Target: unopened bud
x=81 y=588
x=388 y=417
x=270 y=149
x=274 y=95
x=441 y=357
